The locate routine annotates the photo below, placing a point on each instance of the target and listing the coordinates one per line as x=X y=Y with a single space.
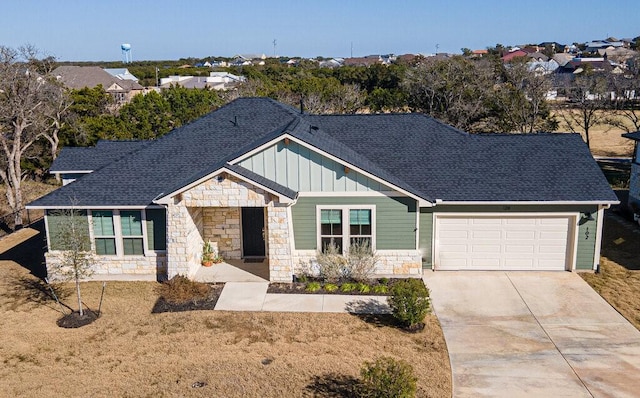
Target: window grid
x=340 y=224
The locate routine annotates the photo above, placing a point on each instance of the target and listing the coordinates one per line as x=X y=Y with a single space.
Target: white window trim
x=346 y=233
x=119 y=237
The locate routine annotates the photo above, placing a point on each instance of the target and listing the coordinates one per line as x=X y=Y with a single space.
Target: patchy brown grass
x=619 y=278
x=605 y=140
x=129 y=352
x=31 y=190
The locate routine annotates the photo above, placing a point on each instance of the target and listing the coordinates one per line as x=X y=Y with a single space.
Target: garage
x=497 y=242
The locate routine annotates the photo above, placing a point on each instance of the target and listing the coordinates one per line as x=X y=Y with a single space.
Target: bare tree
x=588 y=95
x=520 y=99
x=77 y=258
x=27 y=107
x=455 y=90
x=626 y=105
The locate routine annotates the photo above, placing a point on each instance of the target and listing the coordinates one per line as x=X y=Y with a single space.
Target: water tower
x=126 y=52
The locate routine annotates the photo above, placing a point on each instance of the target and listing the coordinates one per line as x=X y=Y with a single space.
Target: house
x=78 y=77
x=215 y=81
x=122 y=74
x=634 y=180
x=261 y=179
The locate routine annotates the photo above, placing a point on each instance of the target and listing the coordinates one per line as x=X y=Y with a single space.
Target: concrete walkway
x=542 y=334
x=253 y=296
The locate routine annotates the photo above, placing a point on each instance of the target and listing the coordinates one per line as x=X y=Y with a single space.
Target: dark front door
x=253 y=232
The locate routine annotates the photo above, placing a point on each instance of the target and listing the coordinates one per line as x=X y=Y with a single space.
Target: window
x=156 y=229
x=104 y=233
x=333 y=222
x=131 y=225
x=330 y=228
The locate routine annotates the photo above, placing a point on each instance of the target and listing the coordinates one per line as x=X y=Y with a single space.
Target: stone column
x=280 y=261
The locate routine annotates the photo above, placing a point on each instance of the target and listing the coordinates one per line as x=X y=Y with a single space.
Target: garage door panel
x=502 y=243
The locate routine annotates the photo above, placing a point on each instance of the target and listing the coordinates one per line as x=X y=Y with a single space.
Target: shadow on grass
x=30 y=253
x=27 y=289
x=621 y=240
x=334 y=385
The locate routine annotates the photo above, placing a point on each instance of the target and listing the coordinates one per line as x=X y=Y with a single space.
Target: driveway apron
x=541 y=334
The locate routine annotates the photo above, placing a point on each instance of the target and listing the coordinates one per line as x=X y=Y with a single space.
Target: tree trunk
x=80 y=310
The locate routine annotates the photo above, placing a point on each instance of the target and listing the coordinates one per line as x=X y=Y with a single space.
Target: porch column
x=280 y=261
x=184 y=239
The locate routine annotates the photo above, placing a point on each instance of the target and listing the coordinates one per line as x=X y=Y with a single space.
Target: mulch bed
x=209 y=303
x=300 y=288
x=75 y=320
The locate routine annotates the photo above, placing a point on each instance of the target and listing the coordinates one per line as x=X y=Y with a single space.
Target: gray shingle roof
x=77 y=77
x=412 y=151
x=93 y=158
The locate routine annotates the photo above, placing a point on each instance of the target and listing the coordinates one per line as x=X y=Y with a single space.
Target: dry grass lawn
x=605 y=140
x=128 y=352
x=619 y=278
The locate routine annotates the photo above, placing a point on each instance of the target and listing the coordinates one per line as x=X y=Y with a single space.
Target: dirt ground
x=129 y=352
x=619 y=278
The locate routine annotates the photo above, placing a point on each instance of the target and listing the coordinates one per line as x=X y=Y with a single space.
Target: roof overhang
x=78 y=207
x=165 y=199
x=70 y=171
x=421 y=201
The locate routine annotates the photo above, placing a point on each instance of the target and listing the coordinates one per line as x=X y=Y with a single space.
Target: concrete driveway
x=534 y=334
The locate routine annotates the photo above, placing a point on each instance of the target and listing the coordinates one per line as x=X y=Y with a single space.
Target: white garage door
x=502 y=243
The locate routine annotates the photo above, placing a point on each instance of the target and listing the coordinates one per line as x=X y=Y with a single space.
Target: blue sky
x=89 y=30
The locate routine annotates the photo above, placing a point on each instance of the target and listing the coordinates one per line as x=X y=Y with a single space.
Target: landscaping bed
x=374 y=287
x=181 y=294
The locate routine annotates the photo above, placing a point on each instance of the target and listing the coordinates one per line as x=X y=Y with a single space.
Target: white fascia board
x=164 y=200
x=70 y=171
x=421 y=201
x=530 y=202
x=111 y=207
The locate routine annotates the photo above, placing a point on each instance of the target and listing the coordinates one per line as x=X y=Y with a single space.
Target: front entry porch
x=234 y=271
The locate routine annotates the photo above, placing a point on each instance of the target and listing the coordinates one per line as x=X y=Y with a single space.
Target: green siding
x=303 y=170
x=56 y=221
x=395 y=220
x=425 y=238
x=587 y=243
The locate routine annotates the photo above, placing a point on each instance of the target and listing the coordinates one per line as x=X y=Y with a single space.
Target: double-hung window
x=132 y=238
x=104 y=232
x=344 y=226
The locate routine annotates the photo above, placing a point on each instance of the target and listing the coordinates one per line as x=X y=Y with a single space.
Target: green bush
x=388 y=378
x=313 y=287
x=330 y=287
x=409 y=301
x=347 y=287
x=363 y=288
x=381 y=289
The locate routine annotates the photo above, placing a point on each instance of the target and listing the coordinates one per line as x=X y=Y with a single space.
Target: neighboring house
x=78 y=77
x=362 y=61
x=260 y=179
x=74 y=162
x=331 y=63
x=634 y=180
x=542 y=67
x=122 y=74
x=215 y=81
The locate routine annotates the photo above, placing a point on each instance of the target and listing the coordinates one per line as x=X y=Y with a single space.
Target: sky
x=90 y=30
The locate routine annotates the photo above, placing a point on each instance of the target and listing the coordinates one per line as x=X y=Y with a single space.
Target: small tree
x=77 y=257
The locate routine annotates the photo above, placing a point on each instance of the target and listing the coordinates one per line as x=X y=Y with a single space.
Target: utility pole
x=274 y=47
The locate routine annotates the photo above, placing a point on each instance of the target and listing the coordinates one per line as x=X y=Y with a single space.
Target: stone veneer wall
x=634 y=187
x=215 y=198
x=391 y=262
x=111 y=267
x=279 y=244
x=222 y=225
x=184 y=239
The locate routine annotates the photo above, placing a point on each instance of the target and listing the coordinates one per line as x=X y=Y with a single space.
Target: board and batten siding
x=395 y=220
x=301 y=169
x=587 y=230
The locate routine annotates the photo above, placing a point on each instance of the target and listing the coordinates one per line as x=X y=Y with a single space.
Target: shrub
x=347 y=287
x=331 y=264
x=361 y=261
x=331 y=287
x=384 y=281
x=387 y=377
x=381 y=289
x=409 y=301
x=181 y=289
x=313 y=287
x=363 y=287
